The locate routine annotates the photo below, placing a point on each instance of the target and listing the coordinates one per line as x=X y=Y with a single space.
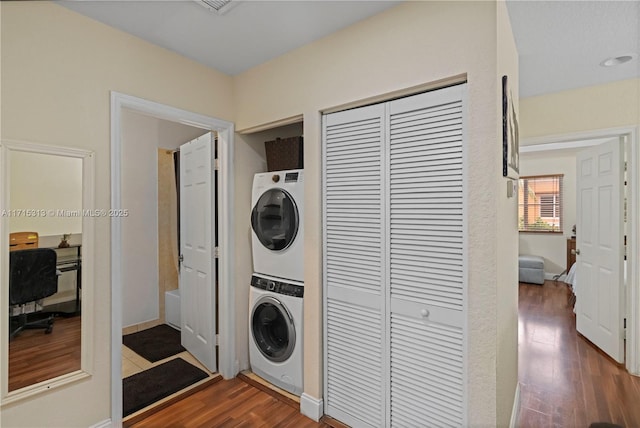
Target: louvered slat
x=426 y=373
x=394 y=262
x=353 y=266
x=352 y=198
x=412 y=204
x=354 y=362
x=426 y=261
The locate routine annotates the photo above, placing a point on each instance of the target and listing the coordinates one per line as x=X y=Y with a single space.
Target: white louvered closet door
x=395 y=263
x=427 y=259
x=354 y=265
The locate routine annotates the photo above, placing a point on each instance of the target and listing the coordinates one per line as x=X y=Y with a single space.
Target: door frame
x=227 y=366
x=632 y=155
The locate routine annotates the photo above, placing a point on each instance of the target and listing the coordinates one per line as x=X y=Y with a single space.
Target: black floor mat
x=155 y=343
x=149 y=386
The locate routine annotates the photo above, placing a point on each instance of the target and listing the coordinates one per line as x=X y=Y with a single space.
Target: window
x=540 y=204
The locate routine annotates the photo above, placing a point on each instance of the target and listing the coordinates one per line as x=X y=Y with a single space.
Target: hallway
x=564 y=380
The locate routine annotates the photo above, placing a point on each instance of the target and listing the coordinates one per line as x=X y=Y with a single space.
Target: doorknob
x=577 y=252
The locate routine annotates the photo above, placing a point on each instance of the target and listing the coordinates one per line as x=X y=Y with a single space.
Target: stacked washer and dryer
x=277 y=288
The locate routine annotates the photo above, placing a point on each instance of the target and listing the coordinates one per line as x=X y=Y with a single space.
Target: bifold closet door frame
x=354 y=320
x=427 y=256
x=365 y=315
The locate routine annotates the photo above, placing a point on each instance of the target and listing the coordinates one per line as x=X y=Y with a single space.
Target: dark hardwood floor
x=226 y=404
x=35 y=356
x=564 y=380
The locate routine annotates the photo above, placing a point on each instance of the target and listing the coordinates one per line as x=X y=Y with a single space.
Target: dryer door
x=274 y=219
x=272 y=328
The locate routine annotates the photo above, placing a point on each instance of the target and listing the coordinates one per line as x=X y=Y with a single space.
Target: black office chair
x=32 y=276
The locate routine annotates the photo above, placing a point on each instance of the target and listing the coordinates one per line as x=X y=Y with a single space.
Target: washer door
x=272 y=328
x=274 y=219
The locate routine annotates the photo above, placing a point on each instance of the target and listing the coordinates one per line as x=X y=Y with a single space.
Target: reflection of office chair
x=32 y=276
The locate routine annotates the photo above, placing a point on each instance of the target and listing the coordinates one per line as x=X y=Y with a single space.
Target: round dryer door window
x=275 y=219
x=273 y=329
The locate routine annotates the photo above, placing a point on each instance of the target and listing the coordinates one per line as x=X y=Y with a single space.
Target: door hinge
x=625 y=166
x=217 y=340
x=216 y=164
x=624 y=329
x=180 y=261
x=216 y=252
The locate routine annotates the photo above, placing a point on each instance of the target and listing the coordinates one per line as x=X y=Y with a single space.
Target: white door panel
x=197 y=273
x=599 y=303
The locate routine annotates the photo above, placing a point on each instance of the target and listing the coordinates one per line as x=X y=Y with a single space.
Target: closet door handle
x=424 y=313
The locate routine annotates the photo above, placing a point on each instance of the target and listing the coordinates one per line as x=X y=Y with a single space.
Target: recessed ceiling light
x=616 y=60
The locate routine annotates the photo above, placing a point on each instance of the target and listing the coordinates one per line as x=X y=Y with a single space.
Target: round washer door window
x=274 y=219
x=273 y=331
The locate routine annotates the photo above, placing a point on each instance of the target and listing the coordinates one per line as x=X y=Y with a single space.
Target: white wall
x=552 y=247
x=142 y=136
x=250 y=159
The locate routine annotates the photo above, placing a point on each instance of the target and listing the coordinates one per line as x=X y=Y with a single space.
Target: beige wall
x=409 y=45
x=592 y=108
x=57 y=69
x=552 y=247
x=506 y=234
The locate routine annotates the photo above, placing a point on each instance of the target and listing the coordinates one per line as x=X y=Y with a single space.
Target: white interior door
x=197 y=272
x=599 y=247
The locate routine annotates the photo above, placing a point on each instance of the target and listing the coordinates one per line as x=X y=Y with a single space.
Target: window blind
x=540 y=203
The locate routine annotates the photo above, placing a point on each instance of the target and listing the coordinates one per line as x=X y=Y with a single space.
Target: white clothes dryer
x=275 y=331
x=277 y=226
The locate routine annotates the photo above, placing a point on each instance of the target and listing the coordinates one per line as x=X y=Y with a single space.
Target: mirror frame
x=88 y=279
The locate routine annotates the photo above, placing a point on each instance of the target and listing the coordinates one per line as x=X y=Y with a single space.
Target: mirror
x=46 y=246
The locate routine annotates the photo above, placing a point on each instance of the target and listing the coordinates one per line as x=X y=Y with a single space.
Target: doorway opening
x=547 y=324
x=126 y=179
x=152 y=336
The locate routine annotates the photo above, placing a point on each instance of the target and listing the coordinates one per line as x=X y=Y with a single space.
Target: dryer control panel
x=279 y=287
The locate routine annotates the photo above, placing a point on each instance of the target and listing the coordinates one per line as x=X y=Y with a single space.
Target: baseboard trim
x=103 y=424
x=515 y=412
x=311 y=407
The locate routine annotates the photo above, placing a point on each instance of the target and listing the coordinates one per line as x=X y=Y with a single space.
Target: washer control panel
x=276 y=286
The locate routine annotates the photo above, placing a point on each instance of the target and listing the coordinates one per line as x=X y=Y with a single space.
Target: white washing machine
x=276 y=222
x=275 y=331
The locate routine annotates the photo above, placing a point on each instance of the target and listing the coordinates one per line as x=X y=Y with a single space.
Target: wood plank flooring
x=226 y=404
x=35 y=356
x=564 y=380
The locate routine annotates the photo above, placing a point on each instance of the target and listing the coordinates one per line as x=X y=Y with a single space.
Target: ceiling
x=250 y=33
x=561 y=43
